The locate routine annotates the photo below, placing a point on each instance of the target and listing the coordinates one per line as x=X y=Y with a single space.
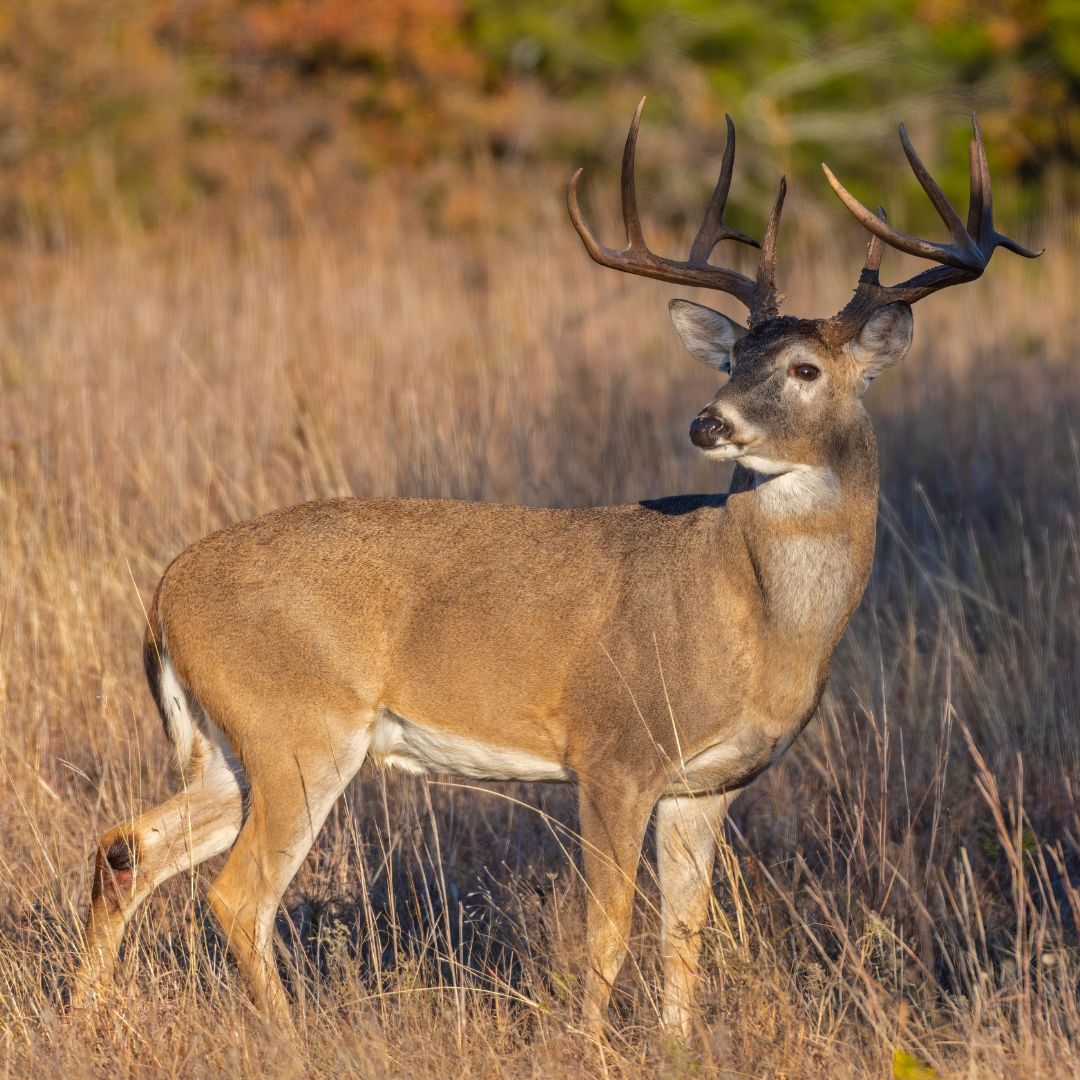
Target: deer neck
x=809 y=533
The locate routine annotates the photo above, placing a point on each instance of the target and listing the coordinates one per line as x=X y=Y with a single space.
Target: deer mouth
x=724 y=438
x=724 y=451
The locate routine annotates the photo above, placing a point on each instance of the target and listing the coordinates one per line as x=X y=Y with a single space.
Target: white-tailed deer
x=661 y=655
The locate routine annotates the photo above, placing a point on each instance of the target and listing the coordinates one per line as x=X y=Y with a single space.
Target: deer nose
x=708 y=429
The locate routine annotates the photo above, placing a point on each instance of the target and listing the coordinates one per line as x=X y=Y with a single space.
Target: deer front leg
x=687 y=833
x=613 y=825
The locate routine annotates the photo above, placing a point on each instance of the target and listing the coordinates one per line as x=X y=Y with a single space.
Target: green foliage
x=148 y=107
x=907 y=1066
x=818 y=79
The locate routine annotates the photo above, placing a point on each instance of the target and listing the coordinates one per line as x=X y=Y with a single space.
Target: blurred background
x=143 y=110
x=256 y=252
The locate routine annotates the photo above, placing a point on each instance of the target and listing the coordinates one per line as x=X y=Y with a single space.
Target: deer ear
x=707 y=334
x=884 y=338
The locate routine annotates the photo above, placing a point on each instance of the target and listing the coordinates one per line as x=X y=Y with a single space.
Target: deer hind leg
x=291 y=794
x=134 y=858
x=612 y=829
x=687 y=832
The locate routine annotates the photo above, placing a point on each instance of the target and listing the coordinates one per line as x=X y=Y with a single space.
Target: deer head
x=794 y=382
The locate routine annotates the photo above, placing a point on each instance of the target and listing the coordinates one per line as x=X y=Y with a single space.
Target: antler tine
x=981 y=206
x=987 y=237
x=636 y=258
x=962 y=260
x=980 y=223
x=713 y=229
x=767 y=305
x=902 y=241
x=635 y=240
x=873 y=251
x=964 y=244
x=869 y=289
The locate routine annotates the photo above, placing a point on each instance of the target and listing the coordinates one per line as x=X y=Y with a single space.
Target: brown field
x=908 y=877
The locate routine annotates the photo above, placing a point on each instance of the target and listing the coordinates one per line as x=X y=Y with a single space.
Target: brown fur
x=662 y=654
x=618 y=642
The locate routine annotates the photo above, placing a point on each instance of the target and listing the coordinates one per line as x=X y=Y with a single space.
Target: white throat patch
x=786 y=490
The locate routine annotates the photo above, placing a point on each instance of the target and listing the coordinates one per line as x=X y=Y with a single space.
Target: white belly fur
x=417 y=749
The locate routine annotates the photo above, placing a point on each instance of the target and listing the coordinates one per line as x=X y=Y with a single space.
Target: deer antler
x=964 y=259
x=760 y=296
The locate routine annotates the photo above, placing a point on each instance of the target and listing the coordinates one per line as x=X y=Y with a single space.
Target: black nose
x=708 y=429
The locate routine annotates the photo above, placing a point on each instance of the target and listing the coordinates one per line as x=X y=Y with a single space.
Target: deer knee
x=116 y=867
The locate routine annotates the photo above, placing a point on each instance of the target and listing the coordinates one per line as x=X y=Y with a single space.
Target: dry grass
x=908 y=876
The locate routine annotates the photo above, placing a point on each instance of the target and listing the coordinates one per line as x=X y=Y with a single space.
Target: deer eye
x=805 y=372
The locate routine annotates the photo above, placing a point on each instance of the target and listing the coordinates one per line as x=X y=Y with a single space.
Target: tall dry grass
x=908 y=877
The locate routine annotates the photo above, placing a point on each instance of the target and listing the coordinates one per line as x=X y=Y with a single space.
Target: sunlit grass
x=908 y=876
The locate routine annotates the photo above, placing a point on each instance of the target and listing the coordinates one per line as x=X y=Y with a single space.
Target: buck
x=660 y=655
